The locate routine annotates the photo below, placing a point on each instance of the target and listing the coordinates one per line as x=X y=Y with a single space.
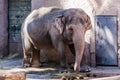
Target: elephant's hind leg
x=27 y=51
x=36 y=58
x=27 y=59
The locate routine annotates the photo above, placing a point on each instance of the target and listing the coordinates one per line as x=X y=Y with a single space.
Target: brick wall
x=17 y=12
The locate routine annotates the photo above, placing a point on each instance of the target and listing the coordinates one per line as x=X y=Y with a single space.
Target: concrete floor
x=51 y=71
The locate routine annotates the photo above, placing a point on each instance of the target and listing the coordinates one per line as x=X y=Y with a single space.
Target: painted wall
x=3 y=28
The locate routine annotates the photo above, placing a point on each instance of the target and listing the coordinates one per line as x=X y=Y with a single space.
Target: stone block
x=13 y=76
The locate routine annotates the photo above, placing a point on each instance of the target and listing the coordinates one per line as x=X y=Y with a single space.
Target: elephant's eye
x=69 y=20
x=70 y=30
x=81 y=21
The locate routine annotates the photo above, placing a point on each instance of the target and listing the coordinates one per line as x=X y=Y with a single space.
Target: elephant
x=54 y=29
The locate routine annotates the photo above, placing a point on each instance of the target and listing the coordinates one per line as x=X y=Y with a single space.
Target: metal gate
x=17 y=11
x=106 y=40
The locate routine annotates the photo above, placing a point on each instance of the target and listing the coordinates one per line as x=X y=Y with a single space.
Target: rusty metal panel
x=106 y=40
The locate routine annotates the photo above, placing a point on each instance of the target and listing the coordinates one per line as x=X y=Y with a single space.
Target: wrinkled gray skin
x=54 y=29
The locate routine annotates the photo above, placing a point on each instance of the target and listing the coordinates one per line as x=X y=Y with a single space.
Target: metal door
x=106 y=40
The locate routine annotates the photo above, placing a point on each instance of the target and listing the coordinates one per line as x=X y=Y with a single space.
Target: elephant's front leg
x=63 y=50
x=36 y=58
x=60 y=47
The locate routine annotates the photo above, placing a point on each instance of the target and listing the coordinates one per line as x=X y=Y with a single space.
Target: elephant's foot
x=85 y=69
x=75 y=67
x=36 y=65
x=65 y=70
x=26 y=65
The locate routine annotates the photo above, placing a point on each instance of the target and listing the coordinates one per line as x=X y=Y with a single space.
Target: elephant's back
x=41 y=13
x=37 y=25
x=40 y=21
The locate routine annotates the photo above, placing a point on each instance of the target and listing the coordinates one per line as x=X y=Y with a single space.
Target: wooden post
x=118 y=38
x=13 y=76
x=92 y=41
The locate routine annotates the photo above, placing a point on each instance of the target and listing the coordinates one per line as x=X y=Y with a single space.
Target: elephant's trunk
x=78 y=40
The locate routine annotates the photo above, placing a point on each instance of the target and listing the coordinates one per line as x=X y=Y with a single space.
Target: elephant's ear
x=60 y=23
x=88 y=24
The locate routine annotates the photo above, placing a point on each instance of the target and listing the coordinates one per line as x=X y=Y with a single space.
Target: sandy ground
x=50 y=71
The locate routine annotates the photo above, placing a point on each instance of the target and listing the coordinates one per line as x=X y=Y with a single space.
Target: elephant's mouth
x=72 y=48
x=70 y=42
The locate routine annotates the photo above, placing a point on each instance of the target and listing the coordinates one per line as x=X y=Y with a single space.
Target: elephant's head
x=72 y=26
